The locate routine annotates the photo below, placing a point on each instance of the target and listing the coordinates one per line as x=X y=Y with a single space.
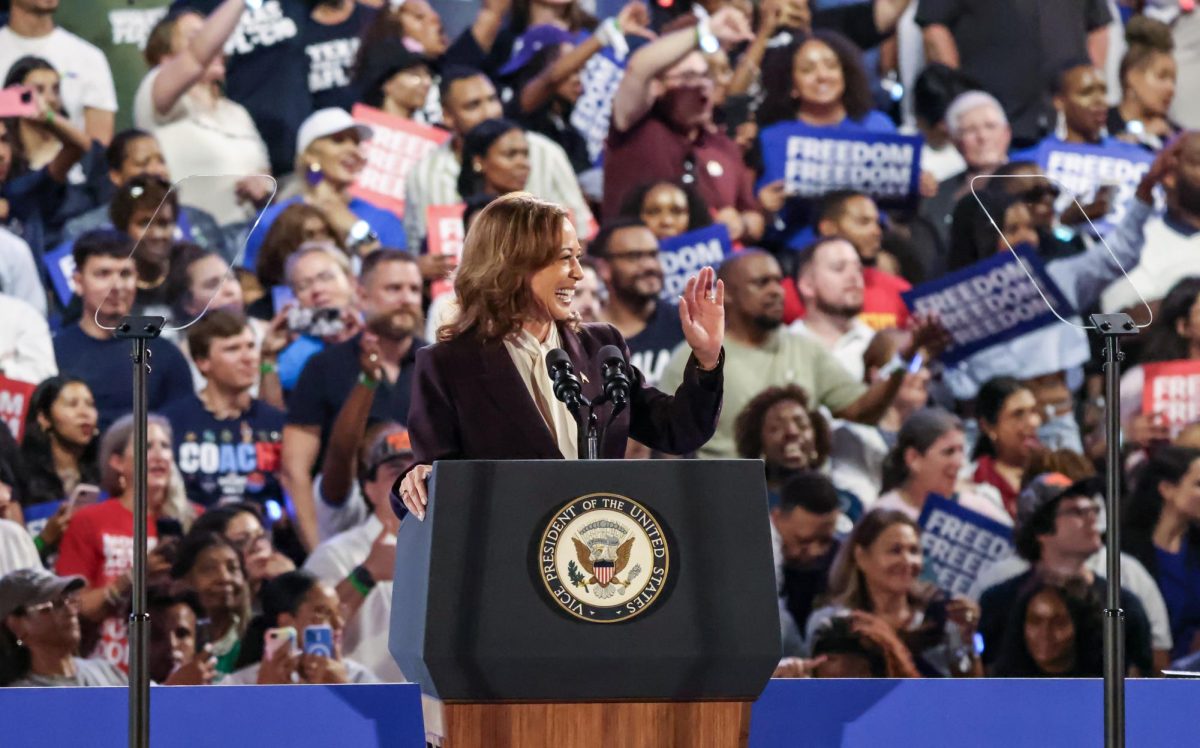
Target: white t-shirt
x=365 y=638
x=88 y=673
x=19 y=275
x=26 y=351
x=214 y=145
x=1169 y=256
x=849 y=348
x=86 y=79
x=17 y=550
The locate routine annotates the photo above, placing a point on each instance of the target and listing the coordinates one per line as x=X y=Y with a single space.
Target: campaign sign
x=60 y=266
x=814 y=161
x=14 y=403
x=445 y=237
x=1082 y=169
x=1172 y=391
x=37 y=515
x=990 y=302
x=682 y=256
x=395 y=148
x=600 y=77
x=959 y=544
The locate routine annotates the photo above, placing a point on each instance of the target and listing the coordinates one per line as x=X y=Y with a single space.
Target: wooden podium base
x=713 y=724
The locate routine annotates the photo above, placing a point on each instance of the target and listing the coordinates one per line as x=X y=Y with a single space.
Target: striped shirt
x=434 y=181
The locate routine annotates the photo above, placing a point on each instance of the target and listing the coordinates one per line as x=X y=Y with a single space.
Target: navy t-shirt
x=267 y=72
x=227 y=459
x=651 y=348
x=105 y=366
x=331 y=51
x=327 y=380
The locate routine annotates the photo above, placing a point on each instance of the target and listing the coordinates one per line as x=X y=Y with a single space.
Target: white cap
x=325 y=122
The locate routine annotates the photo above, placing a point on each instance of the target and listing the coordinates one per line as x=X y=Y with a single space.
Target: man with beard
x=1172 y=248
x=759 y=354
x=629 y=265
x=390 y=292
x=226 y=442
x=829 y=278
x=662 y=127
x=803 y=533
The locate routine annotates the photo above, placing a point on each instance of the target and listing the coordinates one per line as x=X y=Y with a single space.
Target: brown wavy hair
x=515 y=236
x=283 y=238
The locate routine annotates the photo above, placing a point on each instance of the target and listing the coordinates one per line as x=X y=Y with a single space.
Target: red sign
x=14 y=403
x=396 y=147
x=1172 y=391
x=445 y=234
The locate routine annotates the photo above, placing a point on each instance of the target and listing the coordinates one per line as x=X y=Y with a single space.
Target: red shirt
x=883 y=307
x=98 y=545
x=985 y=472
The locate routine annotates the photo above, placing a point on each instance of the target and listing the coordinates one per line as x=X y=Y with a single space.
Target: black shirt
x=650 y=349
x=227 y=459
x=331 y=51
x=802 y=585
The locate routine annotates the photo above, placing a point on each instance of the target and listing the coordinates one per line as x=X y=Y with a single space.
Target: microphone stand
x=1113 y=327
x=139 y=330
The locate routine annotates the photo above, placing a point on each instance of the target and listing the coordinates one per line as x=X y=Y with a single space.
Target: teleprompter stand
x=139 y=330
x=1111 y=328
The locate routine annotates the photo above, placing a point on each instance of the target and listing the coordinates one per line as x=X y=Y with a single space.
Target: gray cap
x=1049 y=487
x=26 y=587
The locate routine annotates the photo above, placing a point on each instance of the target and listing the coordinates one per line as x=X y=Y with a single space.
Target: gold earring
x=478 y=167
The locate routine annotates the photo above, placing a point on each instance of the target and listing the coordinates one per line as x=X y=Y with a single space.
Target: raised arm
x=887 y=14
x=488 y=22
x=182 y=71
x=940 y=45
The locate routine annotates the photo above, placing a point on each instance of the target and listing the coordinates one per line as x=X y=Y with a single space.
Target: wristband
x=49 y=116
x=267 y=367
x=891 y=367
x=361 y=580
x=40 y=544
x=705 y=39
x=366 y=381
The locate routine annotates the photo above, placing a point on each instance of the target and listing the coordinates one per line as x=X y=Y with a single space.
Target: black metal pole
x=1112 y=327
x=139 y=330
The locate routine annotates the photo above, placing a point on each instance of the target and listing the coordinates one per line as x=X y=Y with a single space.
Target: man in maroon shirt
x=662 y=126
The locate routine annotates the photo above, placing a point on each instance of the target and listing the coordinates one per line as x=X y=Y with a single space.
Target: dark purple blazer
x=469 y=403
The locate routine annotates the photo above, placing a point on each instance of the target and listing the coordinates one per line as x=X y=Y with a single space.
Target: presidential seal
x=604 y=558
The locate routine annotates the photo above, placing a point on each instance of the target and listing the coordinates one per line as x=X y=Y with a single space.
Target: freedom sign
x=682 y=256
x=445 y=236
x=1083 y=169
x=14 y=404
x=592 y=112
x=990 y=302
x=1171 y=391
x=813 y=161
x=395 y=148
x=958 y=544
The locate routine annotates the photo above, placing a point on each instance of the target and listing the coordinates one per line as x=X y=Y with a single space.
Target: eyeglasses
x=1040 y=193
x=634 y=256
x=66 y=602
x=1081 y=512
x=326 y=276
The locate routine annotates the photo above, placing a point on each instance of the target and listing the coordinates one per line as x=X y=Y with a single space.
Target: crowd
x=295 y=308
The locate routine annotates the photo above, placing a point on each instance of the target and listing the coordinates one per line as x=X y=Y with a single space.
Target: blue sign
x=593 y=111
x=60 y=265
x=683 y=256
x=813 y=161
x=1083 y=169
x=958 y=544
x=37 y=515
x=990 y=302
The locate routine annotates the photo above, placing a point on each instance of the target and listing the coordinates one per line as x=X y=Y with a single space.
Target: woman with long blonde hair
x=483 y=392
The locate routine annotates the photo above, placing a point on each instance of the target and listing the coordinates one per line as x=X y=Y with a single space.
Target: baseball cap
x=25 y=587
x=391 y=443
x=534 y=40
x=325 y=122
x=1049 y=487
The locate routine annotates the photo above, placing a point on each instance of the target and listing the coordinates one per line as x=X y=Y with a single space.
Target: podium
x=588 y=603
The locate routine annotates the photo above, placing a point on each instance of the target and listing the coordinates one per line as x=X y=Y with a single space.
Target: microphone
x=566 y=385
x=616 y=380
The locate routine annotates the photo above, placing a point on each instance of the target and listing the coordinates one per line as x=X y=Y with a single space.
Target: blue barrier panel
x=218 y=717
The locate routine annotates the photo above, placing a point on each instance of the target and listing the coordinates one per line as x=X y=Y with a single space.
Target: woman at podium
x=483 y=391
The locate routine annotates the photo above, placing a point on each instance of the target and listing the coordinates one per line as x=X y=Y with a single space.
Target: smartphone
x=278 y=638
x=326 y=322
x=203 y=633
x=84 y=494
x=318 y=640
x=917 y=362
x=17 y=101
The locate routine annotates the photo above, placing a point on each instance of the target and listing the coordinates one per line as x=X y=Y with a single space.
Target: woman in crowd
x=40 y=634
x=182 y=101
x=297 y=224
x=242 y=525
x=667 y=208
x=93 y=530
x=819 y=81
x=1053 y=631
x=299 y=600
x=199 y=279
x=1008 y=420
x=974 y=237
x=875 y=579
x=414 y=27
x=495 y=159
x=394 y=79
x=928 y=457
x=1163 y=532
x=42 y=187
x=175 y=654
x=1147 y=76
x=780 y=427
x=210 y=567
x=146 y=208
x=514 y=288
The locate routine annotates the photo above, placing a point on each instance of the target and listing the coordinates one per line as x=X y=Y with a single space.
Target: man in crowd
x=227 y=443
x=1056 y=532
x=829 y=279
x=629 y=264
x=469 y=98
x=803 y=530
x=88 y=94
x=105 y=280
x=759 y=355
x=390 y=292
x=662 y=126
x=322 y=283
